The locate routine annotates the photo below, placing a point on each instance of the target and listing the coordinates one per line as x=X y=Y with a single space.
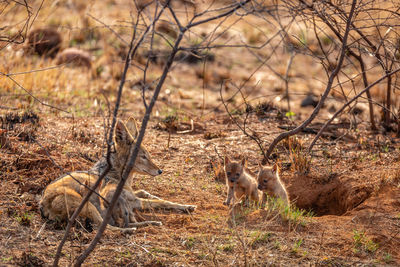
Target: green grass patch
x=288 y=213
x=361 y=243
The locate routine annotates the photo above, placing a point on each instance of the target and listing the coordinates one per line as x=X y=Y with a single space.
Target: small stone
x=75 y=57
x=309 y=100
x=44 y=41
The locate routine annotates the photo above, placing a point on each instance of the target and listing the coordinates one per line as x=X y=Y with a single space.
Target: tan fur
x=131 y=201
x=240 y=182
x=63 y=196
x=270 y=183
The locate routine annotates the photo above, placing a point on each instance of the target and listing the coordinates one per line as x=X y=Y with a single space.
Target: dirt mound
x=380 y=214
x=75 y=57
x=44 y=41
x=329 y=196
x=387 y=199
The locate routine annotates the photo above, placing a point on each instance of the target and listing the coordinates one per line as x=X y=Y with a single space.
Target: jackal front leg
x=264 y=200
x=134 y=223
x=149 y=204
x=144 y=194
x=246 y=201
x=229 y=197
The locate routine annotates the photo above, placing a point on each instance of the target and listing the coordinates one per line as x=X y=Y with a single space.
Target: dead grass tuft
x=29 y=259
x=299 y=158
x=218 y=169
x=21 y=125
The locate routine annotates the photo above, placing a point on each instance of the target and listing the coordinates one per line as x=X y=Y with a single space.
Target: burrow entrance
x=326 y=196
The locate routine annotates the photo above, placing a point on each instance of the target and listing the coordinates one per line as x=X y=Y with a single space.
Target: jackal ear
x=131 y=124
x=122 y=136
x=226 y=160
x=260 y=165
x=244 y=162
x=275 y=168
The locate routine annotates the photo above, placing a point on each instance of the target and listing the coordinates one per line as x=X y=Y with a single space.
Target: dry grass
x=202 y=238
x=192 y=173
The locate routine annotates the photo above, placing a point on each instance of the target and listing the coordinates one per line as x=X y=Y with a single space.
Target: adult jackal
x=63 y=196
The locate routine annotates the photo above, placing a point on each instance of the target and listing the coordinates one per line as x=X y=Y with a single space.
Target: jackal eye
x=265 y=180
x=228 y=173
x=143 y=156
x=237 y=174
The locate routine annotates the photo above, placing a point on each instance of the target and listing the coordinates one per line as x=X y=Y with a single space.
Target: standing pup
x=270 y=183
x=239 y=182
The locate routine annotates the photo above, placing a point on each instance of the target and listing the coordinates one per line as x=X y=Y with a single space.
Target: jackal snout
x=42 y=213
x=145 y=165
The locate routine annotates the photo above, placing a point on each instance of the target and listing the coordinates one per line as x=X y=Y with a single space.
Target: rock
x=44 y=41
x=74 y=57
x=309 y=100
x=194 y=56
x=359 y=109
x=167 y=28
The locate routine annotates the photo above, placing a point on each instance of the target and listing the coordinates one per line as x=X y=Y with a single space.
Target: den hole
x=327 y=197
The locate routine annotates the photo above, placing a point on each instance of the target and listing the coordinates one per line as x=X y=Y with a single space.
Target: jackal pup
x=270 y=183
x=240 y=182
x=63 y=196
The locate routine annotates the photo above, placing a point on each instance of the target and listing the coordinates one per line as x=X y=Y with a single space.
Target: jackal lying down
x=61 y=198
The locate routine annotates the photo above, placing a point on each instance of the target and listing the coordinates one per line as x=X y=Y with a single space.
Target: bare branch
x=108 y=156
x=326 y=93
x=348 y=103
x=109 y=27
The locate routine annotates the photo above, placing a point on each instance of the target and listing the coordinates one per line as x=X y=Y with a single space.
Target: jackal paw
x=129 y=230
x=155 y=223
x=189 y=208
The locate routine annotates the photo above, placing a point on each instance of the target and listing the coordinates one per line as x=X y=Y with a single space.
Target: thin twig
x=132 y=157
x=327 y=89
x=29 y=93
x=286 y=78
x=109 y=27
x=243 y=129
x=108 y=156
x=347 y=104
